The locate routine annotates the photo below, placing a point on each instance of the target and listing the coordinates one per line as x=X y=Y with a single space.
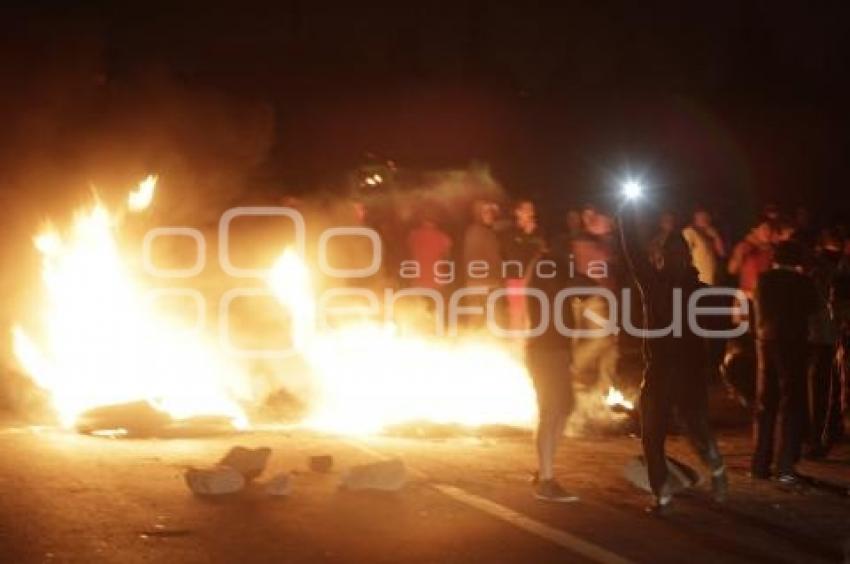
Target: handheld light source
x=632 y=190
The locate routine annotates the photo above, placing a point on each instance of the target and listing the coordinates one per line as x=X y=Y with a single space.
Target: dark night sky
x=723 y=102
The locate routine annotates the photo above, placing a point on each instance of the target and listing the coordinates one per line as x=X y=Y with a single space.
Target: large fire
x=369 y=376
x=100 y=342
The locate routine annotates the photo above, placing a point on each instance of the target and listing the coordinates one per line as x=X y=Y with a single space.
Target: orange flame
x=100 y=341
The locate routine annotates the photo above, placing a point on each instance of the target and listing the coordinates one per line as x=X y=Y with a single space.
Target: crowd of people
x=792 y=275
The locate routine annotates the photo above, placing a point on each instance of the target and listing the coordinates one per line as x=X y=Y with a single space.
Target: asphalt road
x=71 y=498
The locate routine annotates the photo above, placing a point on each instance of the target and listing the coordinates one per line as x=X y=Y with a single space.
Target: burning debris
x=141 y=419
x=598 y=412
x=617 y=401
x=137 y=419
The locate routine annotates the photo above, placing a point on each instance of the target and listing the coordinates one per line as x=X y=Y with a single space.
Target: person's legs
x=553 y=384
x=834 y=425
x=819 y=373
x=792 y=406
x=655 y=406
x=692 y=406
x=767 y=404
x=550 y=429
x=550 y=372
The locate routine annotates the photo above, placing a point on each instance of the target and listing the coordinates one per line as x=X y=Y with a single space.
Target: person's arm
x=633 y=252
x=688 y=235
x=717 y=241
x=737 y=258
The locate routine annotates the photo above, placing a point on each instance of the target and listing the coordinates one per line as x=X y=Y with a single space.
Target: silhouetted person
x=824 y=374
x=481 y=247
x=667 y=224
x=482 y=257
x=674 y=376
x=784 y=300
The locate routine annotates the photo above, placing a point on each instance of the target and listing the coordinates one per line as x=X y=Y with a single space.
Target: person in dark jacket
x=482 y=258
x=674 y=375
x=823 y=372
x=785 y=298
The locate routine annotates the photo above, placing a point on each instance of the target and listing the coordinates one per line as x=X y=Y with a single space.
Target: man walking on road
x=784 y=298
x=674 y=373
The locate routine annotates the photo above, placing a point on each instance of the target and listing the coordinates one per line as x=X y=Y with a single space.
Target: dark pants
x=837 y=398
x=780 y=399
x=824 y=380
x=675 y=378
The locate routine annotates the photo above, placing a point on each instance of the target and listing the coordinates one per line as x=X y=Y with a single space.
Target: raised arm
x=630 y=245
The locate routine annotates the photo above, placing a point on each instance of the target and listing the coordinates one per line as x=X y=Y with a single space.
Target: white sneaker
x=551 y=490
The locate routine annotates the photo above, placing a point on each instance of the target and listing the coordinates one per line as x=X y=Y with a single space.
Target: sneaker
x=789 y=479
x=663 y=504
x=719 y=485
x=551 y=490
x=662 y=507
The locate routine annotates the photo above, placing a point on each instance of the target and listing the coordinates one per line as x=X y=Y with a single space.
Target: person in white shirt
x=706 y=246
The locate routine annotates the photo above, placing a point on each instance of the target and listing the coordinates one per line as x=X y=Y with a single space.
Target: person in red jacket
x=752 y=256
x=427 y=244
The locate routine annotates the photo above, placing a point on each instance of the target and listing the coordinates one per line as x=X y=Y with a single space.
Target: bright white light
x=632 y=189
